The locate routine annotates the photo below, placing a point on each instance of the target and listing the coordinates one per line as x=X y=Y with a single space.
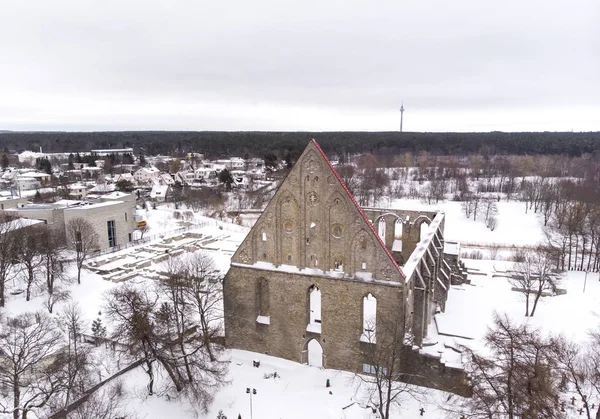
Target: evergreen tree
x=221 y=415
x=5 y=161
x=226 y=179
x=98 y=330
x=71 y=158
x=44 y=165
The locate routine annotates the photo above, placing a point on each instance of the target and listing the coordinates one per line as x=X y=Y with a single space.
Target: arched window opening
x=381 y=228
x=424 y=228
x=397 y=245
x=369 y=319
x=264 y=316
x=314 y=324
x=315 y=353
x=398 y=229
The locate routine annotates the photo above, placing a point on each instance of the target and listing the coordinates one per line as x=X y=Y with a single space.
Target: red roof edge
x=387 y=251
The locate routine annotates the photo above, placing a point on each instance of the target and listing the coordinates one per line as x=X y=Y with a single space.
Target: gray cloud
x=278 y=60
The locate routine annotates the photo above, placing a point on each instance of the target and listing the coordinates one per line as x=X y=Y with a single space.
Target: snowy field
x=300 y=390
x=515 y=228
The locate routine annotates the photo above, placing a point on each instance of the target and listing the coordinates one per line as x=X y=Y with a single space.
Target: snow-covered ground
x=515 y=227
x=300 y=392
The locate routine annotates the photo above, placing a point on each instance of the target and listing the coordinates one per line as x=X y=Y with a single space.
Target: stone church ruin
x=318 y=277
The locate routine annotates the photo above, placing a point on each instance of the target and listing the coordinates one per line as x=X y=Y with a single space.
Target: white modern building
x=112 y=217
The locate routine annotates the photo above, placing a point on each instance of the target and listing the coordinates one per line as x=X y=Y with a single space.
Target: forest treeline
x=251 y=144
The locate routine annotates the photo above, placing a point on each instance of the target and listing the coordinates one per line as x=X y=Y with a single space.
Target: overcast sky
x=462 y=65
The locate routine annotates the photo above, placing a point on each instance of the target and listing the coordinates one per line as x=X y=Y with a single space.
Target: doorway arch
x=315 y=353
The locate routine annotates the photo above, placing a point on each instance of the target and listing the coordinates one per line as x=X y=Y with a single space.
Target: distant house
x=234 y=163
x=77 y=191
x=166 y=179
x=146 y=174
x=8 y=201
x=32 y=180
x=159 y=193
x=103 y=188
x=115 y=151
x=185 y=177
x=125 y=176
x=204 y=173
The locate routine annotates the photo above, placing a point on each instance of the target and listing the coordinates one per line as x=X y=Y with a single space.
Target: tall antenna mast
x=401 y=115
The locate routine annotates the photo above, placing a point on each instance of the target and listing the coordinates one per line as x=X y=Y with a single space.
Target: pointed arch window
x=397 y=245
x=381 y=227
x=369 y=319
x=314 y=315
x=264 y=316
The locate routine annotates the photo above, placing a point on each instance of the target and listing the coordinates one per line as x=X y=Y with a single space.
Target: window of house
x=125 y=216
x=112 y=233
x=364 y=265
x=264 y=236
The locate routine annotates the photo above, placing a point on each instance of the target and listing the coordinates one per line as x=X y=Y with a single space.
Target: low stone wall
x=428 y=371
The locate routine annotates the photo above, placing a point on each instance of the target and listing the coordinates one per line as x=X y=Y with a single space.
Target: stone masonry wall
x=286 y=335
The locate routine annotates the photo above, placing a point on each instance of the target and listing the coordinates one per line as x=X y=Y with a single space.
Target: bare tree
x=29 y=367
x=51 y=246
x=516 y=379
x=203 y=288
x=57 y=296
x=348 y=174
x=76 y=359
x=490 y=211
x=580 y=369
x=29 y=254
x=534 y=276
x=130 y=311
x=106 y=403
x=8 y=243
x=386 y=383
x=81 y=234
x=148 y=329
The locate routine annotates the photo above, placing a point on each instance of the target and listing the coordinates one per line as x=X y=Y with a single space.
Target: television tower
x=401 y=115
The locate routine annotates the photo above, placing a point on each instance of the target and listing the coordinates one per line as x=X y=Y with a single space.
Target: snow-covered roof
x=167 y=178
x=103 y=187
x=452 y=248
x=125 y=176
x=87 y=205
x=116 y=195
x=159 y=190
x=34 y=175
x=422 y=246
x=18 y=223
